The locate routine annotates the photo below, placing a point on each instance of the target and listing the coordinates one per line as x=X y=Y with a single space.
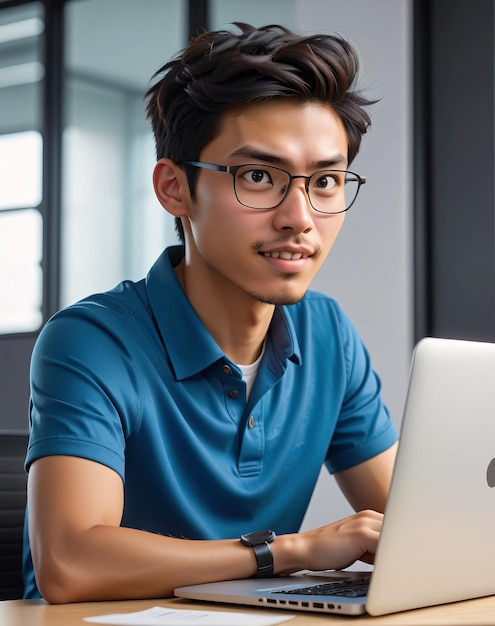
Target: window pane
x=21 y=68
x=20 y=270
x=20 y=170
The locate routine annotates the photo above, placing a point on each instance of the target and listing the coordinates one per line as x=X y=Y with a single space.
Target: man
x=173 y=415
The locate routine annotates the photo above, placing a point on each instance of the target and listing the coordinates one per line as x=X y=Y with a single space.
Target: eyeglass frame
x=233 y=169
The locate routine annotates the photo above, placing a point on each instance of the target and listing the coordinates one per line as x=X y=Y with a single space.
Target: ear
x=171 y=187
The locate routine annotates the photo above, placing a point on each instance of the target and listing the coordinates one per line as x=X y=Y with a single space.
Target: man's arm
x=80 y=552
x=366 y=485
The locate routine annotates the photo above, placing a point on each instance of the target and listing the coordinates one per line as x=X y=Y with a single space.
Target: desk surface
x=479 y=612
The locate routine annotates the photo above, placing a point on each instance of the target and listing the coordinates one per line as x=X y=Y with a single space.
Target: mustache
x=295 y=240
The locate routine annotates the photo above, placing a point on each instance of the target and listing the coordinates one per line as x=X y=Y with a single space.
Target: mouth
x=285 y=255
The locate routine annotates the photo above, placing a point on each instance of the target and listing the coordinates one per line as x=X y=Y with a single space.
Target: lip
x=286 y=260
x=286 y=256
x=287 y=253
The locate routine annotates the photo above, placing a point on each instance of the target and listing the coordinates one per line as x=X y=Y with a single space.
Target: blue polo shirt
x=132 y=379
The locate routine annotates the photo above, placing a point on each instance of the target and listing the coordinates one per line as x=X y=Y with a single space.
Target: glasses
x=266 y=187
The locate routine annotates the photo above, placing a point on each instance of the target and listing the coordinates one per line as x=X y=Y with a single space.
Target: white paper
x=162 y=616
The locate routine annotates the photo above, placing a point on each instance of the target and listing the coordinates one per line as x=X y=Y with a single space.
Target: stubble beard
x=278 y=300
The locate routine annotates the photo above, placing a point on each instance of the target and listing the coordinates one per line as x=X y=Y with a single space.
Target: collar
x=190 y=346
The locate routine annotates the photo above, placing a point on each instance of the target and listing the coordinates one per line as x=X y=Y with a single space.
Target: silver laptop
x=438 y=539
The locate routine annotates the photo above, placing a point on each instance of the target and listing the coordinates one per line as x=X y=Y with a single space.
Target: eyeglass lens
x=264 y=187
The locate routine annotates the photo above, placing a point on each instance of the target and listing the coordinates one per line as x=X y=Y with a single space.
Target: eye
x=256 y=177
x=326 y=181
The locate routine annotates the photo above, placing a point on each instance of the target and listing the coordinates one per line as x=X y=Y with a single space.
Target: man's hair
x=222 y=70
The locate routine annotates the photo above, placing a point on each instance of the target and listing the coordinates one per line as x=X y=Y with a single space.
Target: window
x=21 y=158
x=113 y=227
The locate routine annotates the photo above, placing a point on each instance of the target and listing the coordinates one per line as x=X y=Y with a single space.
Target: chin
x=291 y=291
x=278 y=299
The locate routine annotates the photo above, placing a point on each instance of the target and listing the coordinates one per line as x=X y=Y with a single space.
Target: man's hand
x=338 y=545
x=334 y=546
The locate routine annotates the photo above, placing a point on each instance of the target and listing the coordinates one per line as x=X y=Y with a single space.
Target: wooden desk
x=479 y=612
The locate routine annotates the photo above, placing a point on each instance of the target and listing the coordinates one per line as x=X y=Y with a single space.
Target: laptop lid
x=437 y=543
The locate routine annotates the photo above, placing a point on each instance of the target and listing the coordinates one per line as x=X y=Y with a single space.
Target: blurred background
x=78 y=213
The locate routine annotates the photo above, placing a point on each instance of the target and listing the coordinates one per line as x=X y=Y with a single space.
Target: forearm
x=111 y=563
x=366 y=486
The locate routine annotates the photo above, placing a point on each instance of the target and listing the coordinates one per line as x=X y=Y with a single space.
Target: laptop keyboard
x=349 y=588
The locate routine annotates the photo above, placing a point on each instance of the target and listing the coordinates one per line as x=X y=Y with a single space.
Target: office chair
x=13 y=482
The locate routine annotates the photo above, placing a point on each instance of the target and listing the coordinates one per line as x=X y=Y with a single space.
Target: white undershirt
x=249 y=372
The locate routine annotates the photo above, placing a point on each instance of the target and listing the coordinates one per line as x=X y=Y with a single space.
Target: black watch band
x=259 y=541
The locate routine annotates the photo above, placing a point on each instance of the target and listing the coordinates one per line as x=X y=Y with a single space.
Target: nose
x=295 y=212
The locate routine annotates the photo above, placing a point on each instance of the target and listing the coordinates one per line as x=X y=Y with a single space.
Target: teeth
x=284 y=255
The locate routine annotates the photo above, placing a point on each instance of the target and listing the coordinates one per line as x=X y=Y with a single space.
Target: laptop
x=438 y=538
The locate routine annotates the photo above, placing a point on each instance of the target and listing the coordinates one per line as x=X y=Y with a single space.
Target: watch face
x=258 y=537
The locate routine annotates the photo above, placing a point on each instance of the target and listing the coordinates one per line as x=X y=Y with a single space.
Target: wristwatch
x=259 y=541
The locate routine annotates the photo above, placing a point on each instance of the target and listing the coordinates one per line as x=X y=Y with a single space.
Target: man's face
x=269 y=255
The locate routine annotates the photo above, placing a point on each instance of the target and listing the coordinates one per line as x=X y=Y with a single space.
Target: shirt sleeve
x=364 y=428
x=83 y=383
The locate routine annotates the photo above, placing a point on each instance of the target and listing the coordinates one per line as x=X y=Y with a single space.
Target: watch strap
x=264 y=558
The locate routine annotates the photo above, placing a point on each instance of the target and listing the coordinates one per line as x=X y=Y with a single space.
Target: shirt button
x=233 y=393
x=251 y=422
x=226 y=369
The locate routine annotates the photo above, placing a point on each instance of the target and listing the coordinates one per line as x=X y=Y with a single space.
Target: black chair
x=13 y=481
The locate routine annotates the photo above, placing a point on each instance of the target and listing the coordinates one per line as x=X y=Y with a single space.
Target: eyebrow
x=251 y=152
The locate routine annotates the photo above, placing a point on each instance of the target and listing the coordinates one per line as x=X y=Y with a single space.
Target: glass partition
x=113 y=228
x=21 y=224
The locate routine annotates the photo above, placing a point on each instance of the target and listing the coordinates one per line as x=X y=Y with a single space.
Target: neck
x=237 y=321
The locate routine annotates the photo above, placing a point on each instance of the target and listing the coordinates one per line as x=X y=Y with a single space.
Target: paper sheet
x=162 y=616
